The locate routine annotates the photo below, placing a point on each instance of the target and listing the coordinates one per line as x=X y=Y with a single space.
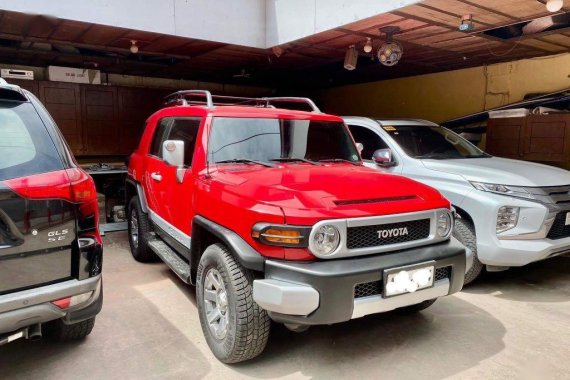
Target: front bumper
x=524 y=244
x=323 y=292
x=31 y=307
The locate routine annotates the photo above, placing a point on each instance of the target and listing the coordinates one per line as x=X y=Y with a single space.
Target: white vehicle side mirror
x=173 y=154
x=383 y=158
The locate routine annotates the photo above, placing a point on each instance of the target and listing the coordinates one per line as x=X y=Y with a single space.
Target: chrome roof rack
x=204 y=97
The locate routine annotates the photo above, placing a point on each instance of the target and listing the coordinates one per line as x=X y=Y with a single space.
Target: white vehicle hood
x=502 y=171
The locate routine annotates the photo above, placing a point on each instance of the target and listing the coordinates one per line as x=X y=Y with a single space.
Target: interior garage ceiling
x=429 y=35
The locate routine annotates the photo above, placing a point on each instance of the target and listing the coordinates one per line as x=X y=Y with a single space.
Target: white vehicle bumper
x=524 y=244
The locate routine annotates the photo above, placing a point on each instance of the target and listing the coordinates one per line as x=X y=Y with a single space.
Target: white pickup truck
x=511 y=212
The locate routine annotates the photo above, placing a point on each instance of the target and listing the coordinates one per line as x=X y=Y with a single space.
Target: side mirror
x=360 y=147
x=383 y=157
x=173 y=154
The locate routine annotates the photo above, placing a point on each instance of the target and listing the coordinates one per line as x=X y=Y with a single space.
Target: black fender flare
x=244 y=253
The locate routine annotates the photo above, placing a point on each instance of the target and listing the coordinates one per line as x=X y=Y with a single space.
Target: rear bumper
x=30 y=307
x=323 y=292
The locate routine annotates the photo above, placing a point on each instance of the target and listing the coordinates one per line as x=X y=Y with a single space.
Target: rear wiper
x=293 y=159
x=245 y=161
x=340 y=160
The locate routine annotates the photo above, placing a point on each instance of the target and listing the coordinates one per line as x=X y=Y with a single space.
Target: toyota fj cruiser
x=270 y=213
x=50 y=248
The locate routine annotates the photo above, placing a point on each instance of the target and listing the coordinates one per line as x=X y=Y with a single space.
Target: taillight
x=67 y=302
x=73 y=185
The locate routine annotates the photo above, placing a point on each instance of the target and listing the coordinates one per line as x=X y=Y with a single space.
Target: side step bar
x=169 y=256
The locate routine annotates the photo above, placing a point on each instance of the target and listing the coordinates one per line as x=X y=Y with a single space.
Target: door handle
x=156 y=176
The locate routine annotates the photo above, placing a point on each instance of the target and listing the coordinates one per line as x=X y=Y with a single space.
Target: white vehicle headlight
x=325 y=240
x=514 y=191
x=507 y=218
x=444 y=224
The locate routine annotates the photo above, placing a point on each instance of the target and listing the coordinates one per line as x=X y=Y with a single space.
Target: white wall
x=255 y=23
x=289 y=20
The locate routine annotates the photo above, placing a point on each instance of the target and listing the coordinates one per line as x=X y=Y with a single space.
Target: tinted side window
x=160 y=134
x=186 y=129
x=25 y=145
x=369 y=139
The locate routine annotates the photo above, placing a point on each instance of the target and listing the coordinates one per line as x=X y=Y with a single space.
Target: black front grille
x=442 y=273
x=559 y=229
x=373 y=288
x=368 y=236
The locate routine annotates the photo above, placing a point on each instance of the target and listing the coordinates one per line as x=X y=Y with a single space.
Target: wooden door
x=63 y=101
x=504 y=137
x=135 y=106
x=547 y=138
x=101 y=130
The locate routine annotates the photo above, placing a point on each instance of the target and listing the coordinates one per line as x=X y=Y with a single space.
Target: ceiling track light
x=351 y=58
x=554 y=5
x=391 y=51
x=368 y=45
x=134 y=48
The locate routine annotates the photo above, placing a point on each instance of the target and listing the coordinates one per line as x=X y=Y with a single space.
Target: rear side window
x=185 y=129
x=25 y=145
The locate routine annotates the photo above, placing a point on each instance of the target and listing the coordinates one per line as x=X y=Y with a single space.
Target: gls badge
x=57 y=235
x=394 y=232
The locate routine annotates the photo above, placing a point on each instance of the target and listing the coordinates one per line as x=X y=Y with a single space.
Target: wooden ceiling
x=429 y=35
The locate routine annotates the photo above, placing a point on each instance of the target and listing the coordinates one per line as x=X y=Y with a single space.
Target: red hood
x=307 y=193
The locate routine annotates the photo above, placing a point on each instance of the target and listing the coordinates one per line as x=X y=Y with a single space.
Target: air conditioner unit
x=17 y=74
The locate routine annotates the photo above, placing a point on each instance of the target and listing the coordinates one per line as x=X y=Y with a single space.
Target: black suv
x=50 y=247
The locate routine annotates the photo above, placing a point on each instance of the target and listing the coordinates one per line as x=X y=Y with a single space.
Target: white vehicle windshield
x=435 y=142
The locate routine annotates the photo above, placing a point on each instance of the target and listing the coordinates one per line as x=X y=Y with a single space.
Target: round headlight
x=325 y=240
x=444 y=224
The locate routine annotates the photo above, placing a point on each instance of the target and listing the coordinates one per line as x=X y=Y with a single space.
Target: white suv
x=512 y=212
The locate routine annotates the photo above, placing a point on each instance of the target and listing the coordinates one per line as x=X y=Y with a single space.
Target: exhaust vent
x=530 y=27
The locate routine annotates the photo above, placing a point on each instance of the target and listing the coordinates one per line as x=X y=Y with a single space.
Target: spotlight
x=391 y=51
x=554 y=5
x=351 y=58
x=134 y=48
x=368 y=46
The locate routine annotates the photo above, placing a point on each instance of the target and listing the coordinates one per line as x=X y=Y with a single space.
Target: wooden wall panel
x=100 y=122
x=544 y=138
x=63 y=101
x=504 y=137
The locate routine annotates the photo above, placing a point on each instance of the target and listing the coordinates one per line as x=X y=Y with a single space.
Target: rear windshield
x=267 y=140
x=25 y=145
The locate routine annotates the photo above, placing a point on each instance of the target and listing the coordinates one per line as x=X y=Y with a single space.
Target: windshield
x=423 y=141
x=266 y=140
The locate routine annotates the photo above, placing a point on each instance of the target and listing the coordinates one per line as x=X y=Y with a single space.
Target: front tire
x=139 y=233
x=60 y=332
x=235 y=327
x=464 y=231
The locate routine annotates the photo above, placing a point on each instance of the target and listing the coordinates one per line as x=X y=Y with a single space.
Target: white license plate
x=567 y=218
x=408 y=279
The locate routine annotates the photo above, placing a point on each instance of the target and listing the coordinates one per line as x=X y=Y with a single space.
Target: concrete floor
x=512 y=325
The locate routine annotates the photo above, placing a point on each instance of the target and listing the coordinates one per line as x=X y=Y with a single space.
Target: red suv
x=271 y=215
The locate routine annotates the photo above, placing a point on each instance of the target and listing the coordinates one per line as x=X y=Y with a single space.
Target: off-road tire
x=412 y=309
x=248 y=324
x=59 y=331
x=142 y=251
x=465 y=233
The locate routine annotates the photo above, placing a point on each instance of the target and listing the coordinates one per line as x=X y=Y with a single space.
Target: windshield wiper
x=245 y=161
x=339 y=160
x=294 y=159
